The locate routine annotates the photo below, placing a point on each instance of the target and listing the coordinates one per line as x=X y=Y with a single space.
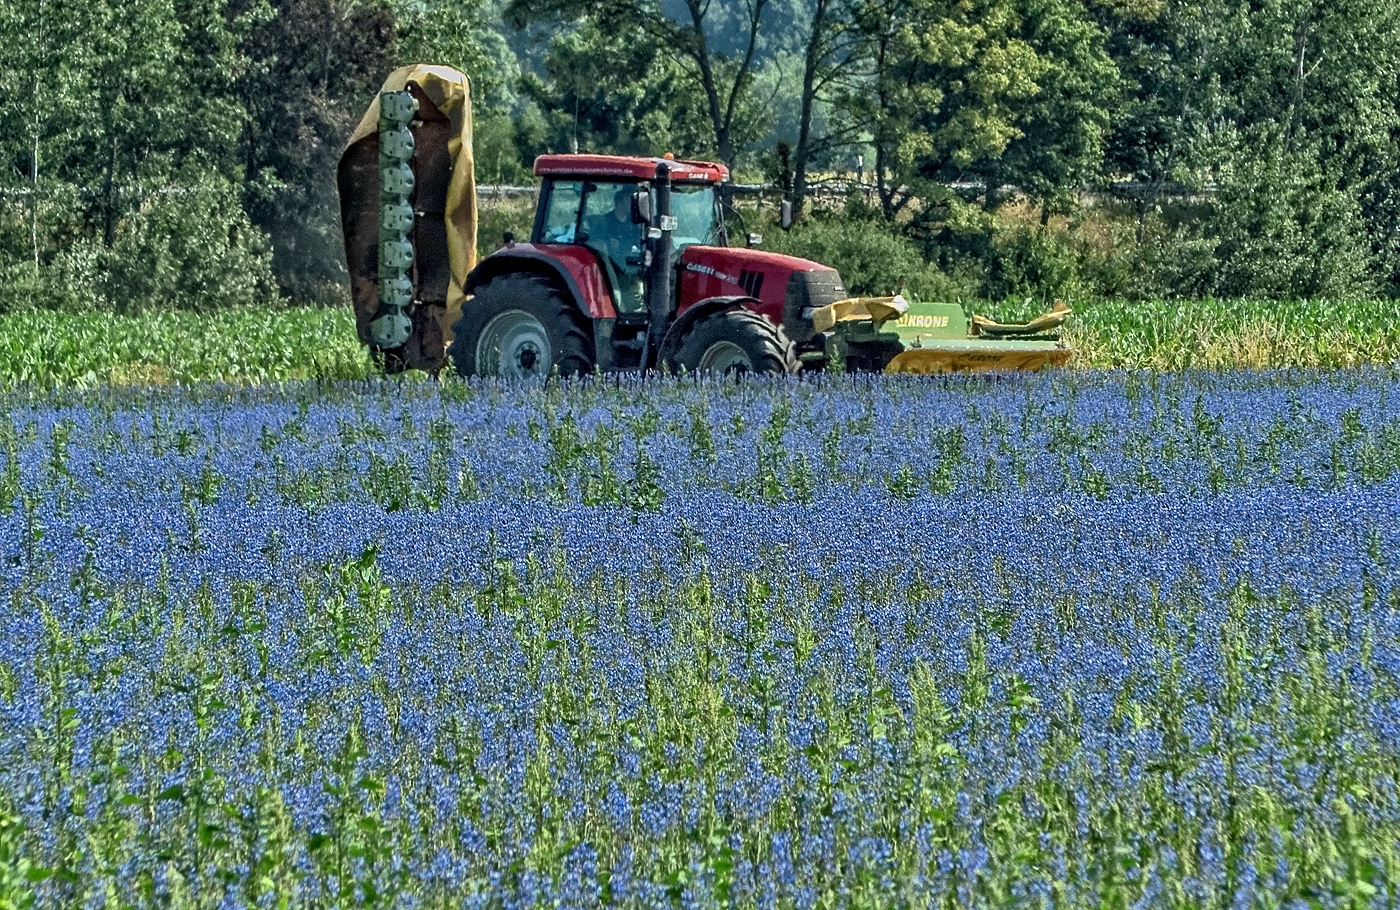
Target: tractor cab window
x=561 y=218
x=697 y=220
x=598 y=215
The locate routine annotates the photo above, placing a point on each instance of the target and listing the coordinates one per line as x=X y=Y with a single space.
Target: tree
x=1283 y=228
x=96 y=84
x=832 y=50
x=1284 y=111
x=35 y=80
x=1061 y=128
x=616 y=92
x=884 y=98
x=1169 y=55
x=1320 y=92
x=993 y=91
x=698 y=34
x=313 y=66
x=464 y=34
x=125 y=108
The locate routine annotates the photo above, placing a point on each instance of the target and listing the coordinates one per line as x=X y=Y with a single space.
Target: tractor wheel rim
x=725 y=357
x=514 y=345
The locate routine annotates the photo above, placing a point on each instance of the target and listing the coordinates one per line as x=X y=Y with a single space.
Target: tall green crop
x=277 y=344
x=1228 y=334
x=245 y=345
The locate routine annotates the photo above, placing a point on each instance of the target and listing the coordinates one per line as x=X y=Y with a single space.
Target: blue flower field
x=1089 y=640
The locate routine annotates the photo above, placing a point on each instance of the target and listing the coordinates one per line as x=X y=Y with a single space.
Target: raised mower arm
x=408 y=211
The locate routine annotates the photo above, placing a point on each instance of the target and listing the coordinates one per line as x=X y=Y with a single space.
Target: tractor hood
x=787 y=288
x=726 y=263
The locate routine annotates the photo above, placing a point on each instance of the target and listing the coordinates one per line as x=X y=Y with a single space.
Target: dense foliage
x=180 y=153
x=1081 y=640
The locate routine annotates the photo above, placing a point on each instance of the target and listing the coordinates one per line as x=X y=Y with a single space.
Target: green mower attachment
x=891 y=334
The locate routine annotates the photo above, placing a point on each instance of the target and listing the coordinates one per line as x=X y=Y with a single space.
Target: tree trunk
x=881 y=127
x=700 y=51
x=882 y=184
x=803 y=154
x=722 y=112
x=736 y=89
x=993 y=191
x=42 y=45
x=109 y=209
x=34 y=198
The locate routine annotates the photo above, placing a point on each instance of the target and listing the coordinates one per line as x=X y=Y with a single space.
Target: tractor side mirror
x=641 y=207
x=785 y=215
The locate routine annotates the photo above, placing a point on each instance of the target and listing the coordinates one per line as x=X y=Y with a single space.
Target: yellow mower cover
x=444 y=234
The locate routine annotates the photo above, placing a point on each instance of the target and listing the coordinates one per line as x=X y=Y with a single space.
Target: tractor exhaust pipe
x=660 y=303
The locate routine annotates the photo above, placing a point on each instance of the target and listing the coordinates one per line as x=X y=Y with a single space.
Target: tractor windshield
x=696 y=215
x=693 y=205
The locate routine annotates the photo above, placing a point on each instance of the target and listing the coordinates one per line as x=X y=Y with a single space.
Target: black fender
x=706 y=308
x=508 y=262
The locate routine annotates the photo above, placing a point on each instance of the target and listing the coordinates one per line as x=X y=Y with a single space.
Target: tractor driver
x=615 y=234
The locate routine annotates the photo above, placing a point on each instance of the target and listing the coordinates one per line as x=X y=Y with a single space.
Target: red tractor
x=628 y=267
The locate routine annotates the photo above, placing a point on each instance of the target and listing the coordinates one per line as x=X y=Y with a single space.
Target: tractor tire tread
x=776 y=353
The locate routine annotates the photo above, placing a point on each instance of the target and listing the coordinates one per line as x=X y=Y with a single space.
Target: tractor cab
x=611 y=214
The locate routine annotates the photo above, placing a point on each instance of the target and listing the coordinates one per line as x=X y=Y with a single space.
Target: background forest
x=180 y=153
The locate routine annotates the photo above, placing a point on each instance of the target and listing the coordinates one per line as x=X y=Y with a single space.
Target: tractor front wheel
x=520 y=326
x=736 y=341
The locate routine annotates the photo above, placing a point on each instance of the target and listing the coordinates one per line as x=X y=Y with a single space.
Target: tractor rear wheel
x=736 y=341
x=520 y=326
